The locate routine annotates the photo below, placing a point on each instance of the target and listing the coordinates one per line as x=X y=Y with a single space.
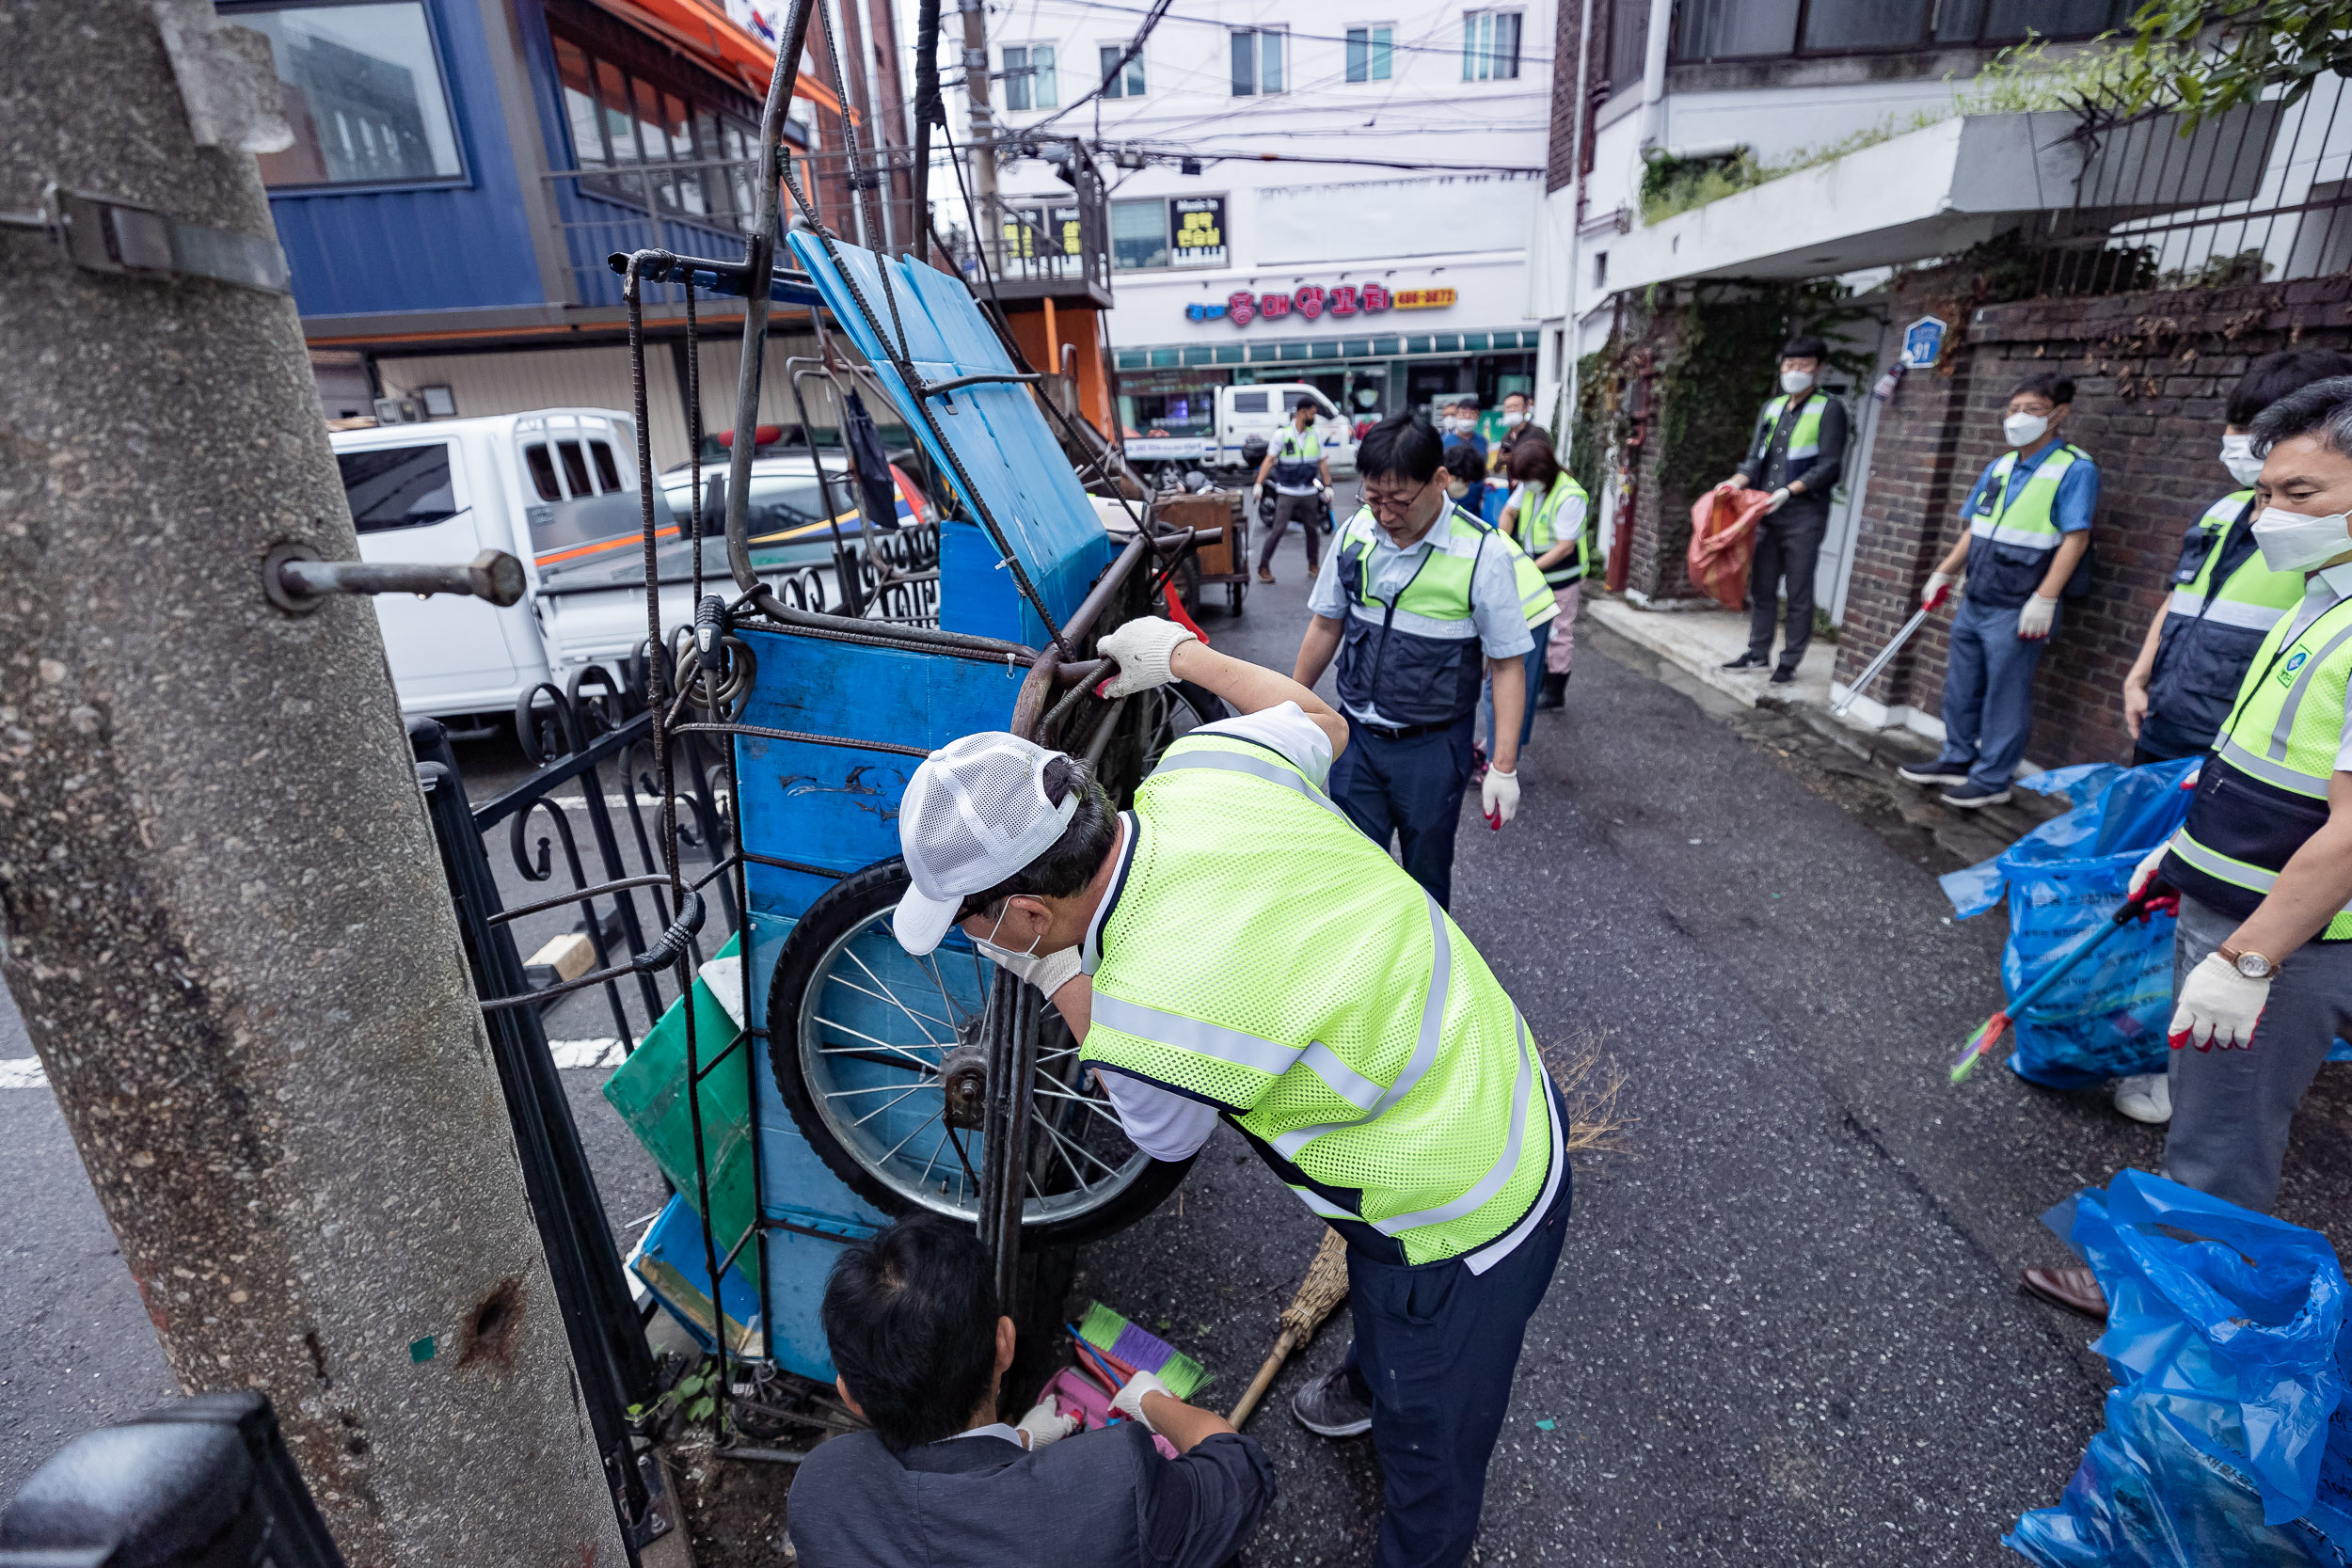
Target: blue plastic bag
x=2229 y=1438
x=2064 y=879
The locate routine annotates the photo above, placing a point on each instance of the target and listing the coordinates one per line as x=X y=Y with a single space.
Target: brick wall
x=2151 y=373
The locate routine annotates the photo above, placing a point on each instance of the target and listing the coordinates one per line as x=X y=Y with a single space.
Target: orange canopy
x=705 y=30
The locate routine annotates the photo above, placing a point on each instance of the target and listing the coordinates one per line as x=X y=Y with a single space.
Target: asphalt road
x=1784 y=1327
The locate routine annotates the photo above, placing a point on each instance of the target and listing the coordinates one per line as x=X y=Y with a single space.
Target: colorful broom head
x=1979 y=1044
x=1113 y=1334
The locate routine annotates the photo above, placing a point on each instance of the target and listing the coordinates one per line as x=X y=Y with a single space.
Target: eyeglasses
x=1383 y=504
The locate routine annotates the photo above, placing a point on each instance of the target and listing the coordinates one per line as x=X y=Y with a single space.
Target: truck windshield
x=392 y=487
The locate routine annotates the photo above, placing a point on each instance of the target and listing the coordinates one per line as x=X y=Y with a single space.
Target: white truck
x=557 y=489
x=1262 y=410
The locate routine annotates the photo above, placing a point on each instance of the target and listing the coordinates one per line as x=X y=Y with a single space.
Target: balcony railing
x=1040 y=247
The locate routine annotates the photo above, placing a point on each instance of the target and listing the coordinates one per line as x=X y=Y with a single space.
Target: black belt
x=1400 y=731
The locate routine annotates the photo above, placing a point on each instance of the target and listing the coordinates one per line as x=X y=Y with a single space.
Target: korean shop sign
x=1196 y=231
x=1314 y=301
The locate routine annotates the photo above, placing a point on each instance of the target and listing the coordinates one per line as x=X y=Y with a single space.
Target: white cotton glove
x=2033 y=622
x=1939 y=588
x=1046 y=1422
x=1498 y=798
x=1128 y=1402
x=1776 y=501
x=2218 y=1007
x=1327 y=497
x=1142 y=648
x=1047 y=972
x=2146 y=869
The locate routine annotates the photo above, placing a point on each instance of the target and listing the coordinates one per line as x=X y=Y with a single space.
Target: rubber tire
x=843 y=907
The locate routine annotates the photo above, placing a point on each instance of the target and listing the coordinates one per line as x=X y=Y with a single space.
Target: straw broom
x=1325 y=1287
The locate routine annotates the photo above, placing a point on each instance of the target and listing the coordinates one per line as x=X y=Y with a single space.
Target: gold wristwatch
x=2252 y=965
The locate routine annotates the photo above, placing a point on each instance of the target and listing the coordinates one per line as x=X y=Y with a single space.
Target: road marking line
x=576 y=1053
x=23 y=1072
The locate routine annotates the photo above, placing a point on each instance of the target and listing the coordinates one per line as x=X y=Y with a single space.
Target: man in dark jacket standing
x=911 y=1318
x=1797 y=452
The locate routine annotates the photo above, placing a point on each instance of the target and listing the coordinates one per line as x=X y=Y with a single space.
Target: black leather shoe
x=1746 y=662
x=1555 y=691
x=1784 y=677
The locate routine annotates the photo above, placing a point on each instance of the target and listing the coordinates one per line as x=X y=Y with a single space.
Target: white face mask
x=1793 y=382
x=2023 y=430
x=989 y=948
x=2291 y=541
x=2237 y=456
x=1511 y=418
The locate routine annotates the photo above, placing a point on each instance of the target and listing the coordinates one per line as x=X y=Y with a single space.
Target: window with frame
x=1368 y=53
x=1029 y=81
x=1139 y=234
x=650 y=145
x=1259 y=60
x=1116 y=82
x=1490 y=46
x=364 y=93
x=1749 y=29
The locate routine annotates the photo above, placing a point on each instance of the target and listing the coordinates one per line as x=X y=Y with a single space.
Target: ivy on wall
x=1728 y=342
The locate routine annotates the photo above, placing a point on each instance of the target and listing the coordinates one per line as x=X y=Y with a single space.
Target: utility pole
x=221 y=910
x=983 y=143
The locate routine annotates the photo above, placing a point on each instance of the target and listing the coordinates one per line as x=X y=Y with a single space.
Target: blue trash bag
x=2064 y=881
x=2229 y=1433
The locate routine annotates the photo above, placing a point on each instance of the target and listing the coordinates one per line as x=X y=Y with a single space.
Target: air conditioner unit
x=399 y=411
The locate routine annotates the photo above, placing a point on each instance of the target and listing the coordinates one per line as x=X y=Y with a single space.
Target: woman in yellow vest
x=1233 y=947
x=2261 y=962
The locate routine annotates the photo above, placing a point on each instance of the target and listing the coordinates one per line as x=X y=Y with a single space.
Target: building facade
x=462 y=168
x=1345 y=200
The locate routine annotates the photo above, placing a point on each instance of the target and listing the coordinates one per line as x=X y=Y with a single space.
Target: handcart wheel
x=856 y=1030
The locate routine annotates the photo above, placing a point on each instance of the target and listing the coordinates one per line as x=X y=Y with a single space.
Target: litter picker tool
x=1871 y=670
x=1325 y=1287
x=2139 y=907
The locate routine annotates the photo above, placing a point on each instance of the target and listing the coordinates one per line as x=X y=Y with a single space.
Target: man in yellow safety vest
x=1233 y=947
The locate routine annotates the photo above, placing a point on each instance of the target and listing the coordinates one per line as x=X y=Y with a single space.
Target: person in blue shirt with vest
x=1419 y=602
x=2028 y=522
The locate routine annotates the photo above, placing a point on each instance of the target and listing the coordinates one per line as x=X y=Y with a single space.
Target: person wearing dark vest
x=939 y=1482
x=2224 y=598
x=1233 y=948
x=1419 y=602
x=2262 y=958
x=1302 y=488
x=1796 y=451
x=2028 y=542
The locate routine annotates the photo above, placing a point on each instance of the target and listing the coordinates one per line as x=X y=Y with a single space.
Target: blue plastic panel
x=998 y=436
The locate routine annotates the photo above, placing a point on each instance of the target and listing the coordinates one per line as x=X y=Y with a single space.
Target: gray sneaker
x=1329 y=1408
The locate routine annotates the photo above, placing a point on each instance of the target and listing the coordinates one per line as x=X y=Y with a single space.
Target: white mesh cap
x=975 y=813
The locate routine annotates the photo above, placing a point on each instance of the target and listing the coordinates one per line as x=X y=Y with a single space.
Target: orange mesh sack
x=1723 y=541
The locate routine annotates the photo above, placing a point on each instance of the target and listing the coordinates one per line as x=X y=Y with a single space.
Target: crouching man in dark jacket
x=911 y=1318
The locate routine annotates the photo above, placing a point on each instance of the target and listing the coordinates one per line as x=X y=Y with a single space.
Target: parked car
x=1264 y=410
x=557 y=487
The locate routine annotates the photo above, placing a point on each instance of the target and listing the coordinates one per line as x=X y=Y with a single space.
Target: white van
x=557 y=489
x=1264 y=410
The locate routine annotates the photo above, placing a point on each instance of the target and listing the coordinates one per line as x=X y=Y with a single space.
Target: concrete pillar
x=223 y=916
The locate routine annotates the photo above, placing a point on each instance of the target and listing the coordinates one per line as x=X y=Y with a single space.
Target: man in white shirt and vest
x=2262 y=959
x=1234 y=947
x=1420 y=602
x=1302 y=487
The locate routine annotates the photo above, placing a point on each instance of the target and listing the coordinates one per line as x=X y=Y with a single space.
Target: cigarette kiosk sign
x=1314 y=301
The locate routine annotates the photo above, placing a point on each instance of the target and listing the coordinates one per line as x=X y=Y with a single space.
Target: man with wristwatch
x=2263 y=956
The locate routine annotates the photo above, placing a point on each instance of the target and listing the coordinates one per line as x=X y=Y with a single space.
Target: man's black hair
x=2059 y=388
x=2274 y=375
x=2321 y=410
x=1521 y=396
x=1074 y=858
x=910 y=1317
x=1461 y=460
x=1805 y=347
x=1403 y=446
